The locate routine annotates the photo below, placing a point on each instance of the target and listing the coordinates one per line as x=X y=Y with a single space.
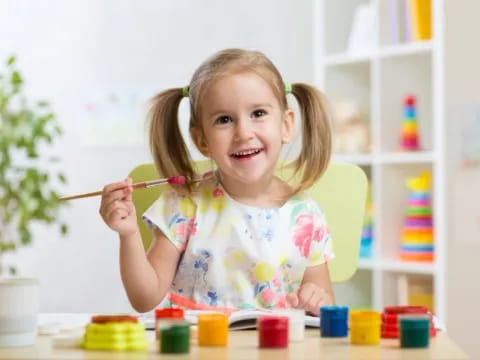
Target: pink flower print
x=319 y=230
x=276 y=282
x=308 y=228
x=185 y=230
x=302 y=233
x=282 y=302
x=267 y=297
x=328 y=257
x=217 y=192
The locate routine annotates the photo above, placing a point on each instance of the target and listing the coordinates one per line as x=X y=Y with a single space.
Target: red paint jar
x=390 y=325
x=272 y=331
x=167 y=313
x=407 y=309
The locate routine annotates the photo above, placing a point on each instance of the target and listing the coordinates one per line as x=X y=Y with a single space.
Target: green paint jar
x=174 y=337
x=414 y=331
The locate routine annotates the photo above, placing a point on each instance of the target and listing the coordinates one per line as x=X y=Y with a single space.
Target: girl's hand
x=310 y=297
x=117 y=209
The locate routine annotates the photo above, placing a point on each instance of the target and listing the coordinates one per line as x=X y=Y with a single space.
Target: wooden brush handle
x=174 y=180
x=141 y=185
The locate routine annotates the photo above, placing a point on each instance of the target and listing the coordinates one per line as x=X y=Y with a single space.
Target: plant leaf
x=11 y=60
x=16 y=78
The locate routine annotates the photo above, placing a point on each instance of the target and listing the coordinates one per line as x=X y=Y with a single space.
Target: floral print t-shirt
x=239 y=256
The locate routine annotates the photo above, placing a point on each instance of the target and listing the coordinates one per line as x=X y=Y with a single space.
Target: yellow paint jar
x=365 y=327
x=212 y=329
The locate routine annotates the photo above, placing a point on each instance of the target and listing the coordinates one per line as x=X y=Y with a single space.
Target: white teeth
x=248 y=152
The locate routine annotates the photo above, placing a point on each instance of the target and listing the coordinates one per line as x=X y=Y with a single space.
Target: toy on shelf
x=366 y=241
x=351 y=133
x=415 y=290
x=420 y=292
x=409 y=133
x=417 y=236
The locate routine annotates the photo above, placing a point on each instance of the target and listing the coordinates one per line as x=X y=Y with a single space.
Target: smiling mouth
x=246 y=153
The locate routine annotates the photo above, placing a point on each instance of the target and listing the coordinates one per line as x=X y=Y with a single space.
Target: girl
x=239 y=237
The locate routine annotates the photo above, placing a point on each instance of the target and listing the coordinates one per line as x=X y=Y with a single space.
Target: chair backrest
x=341 y=192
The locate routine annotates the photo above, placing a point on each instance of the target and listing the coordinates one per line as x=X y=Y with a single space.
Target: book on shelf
x=238 y=320
x=408 y=20
x=421 y=19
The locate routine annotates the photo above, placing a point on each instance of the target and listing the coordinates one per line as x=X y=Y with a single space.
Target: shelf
x=388 y=51
x=417 y=157
x=347 y=59
x=366 y=264
x=413 y=48
x=407 y=267
x=377 y=79
x=397 y=266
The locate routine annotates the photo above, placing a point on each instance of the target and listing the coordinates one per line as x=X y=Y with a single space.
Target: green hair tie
x=185 y=91
x=288 y=88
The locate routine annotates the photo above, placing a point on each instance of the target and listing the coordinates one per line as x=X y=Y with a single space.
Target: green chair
x=341 y=192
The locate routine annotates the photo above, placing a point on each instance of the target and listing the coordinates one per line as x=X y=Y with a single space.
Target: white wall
x=68 y=49
x=463 y=103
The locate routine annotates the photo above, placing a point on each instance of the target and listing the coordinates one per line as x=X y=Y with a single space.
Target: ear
x=288 y=126
x=200 y=141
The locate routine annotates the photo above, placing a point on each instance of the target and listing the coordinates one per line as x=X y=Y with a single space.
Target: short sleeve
x=321 y=249
x=175 y=216
x=311 y=234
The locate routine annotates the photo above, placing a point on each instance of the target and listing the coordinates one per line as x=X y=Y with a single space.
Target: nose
x=243 y=130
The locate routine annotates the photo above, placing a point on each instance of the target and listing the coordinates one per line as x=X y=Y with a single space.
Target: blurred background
x=403 y=80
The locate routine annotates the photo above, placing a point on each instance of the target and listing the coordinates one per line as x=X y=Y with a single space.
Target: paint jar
x=272 y=331
x=365 y=327
x=173 y=336
x=334 y=321
x=414 y=331
x=212 y=329
x=390 y=319
x=296 y=323
x=18 y=311
x=167 y=313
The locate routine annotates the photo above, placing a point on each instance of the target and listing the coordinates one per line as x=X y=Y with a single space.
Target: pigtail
x=316 y=135
x=167 y=145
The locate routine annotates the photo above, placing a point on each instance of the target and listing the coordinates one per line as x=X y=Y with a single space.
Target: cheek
x=274 y=132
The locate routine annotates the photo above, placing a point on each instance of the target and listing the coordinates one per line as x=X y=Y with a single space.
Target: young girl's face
x=243 y=127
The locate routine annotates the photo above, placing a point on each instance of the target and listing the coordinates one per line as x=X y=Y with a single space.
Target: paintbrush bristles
x=176 y=180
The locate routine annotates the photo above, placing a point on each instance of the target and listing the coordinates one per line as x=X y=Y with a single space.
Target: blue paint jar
x=334 y=321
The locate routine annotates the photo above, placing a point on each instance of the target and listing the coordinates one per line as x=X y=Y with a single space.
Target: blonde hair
x=169 y=149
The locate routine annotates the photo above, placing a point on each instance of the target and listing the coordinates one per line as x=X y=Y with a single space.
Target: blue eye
x=259 y=113
x=223 y=120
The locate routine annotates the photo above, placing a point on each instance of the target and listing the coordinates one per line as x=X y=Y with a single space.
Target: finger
x=117 y=217
x=110 y=212
x=304 y=295
x=326 y=300
x=112 y=187
x=131 y=207
x=118 y=193
x=111 y=197
x=292 y=299
x=313 y=304
x=129 y=189
x=116 y=205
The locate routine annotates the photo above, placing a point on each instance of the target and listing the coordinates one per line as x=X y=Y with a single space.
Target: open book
x=238 y=320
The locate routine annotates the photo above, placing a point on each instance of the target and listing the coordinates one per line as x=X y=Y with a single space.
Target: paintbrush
x=174 y=180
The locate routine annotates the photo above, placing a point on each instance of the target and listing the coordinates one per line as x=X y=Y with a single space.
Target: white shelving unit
x=378 y=79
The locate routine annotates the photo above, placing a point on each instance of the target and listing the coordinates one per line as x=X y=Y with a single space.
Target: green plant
x=27 y=194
